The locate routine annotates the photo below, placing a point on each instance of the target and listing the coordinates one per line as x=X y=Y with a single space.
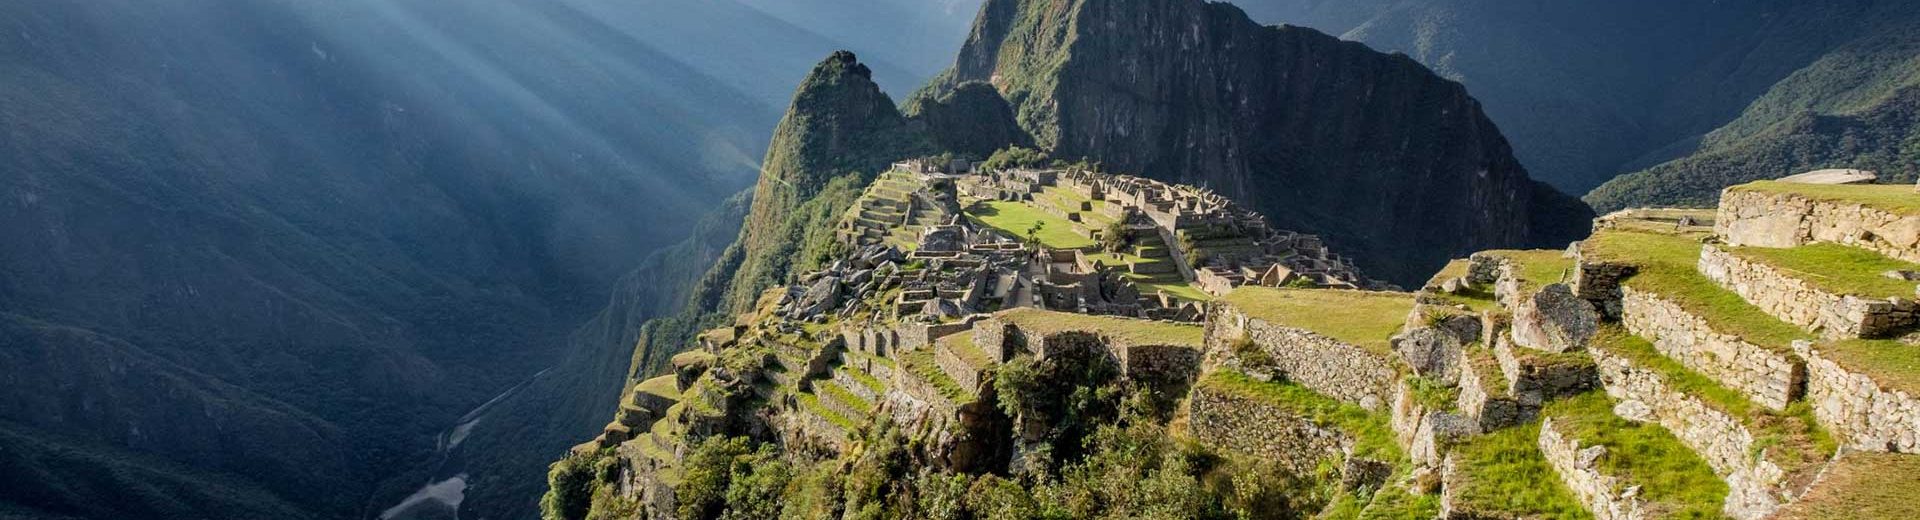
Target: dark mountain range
x=1387 y=160
x=1591 y=90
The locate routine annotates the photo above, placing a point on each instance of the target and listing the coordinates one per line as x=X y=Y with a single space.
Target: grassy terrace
x=1892 y=198
x=920 y=363
x=865 y=379
x=663 y=386
x=1671 y=476
x=834 y=391
x=1538 y=268
x=1372 y=438
x=811 y=403
x=1667 y=268
x=1793 y=439
x=1133 y=331
x=1866 y=486
x=1503 y=475
x=1015 y=219
x=962 y=345
x=1836 y=268
x=1481 y=361
x=1361 y=318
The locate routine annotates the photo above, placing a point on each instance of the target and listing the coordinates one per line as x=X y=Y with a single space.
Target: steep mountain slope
x=1589 y=90
x=1857 y=107
x=263 y=253
x=1389 y=161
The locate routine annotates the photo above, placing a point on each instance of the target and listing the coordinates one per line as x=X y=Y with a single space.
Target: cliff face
x=1396 y=165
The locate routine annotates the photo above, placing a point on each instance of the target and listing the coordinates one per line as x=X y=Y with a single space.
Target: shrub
x=570 y=485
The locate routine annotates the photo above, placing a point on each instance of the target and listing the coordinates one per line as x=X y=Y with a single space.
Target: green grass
x=1176 y=288
x=1433 y=395
x=1503 y=475
x=1454 y=269
x=812 y=404
x=1395 y=503
x=1836 y=268
x=1360 y=318
x=1667 y=268
x=1132 y=331
x=1673 y=477
x=1372 y=437
x=1877 y=486
x=1538 y=268
x=1481 y=361
x=834 y=391
x=1015 y=219
x=1794 y=439
x=920 y=363
x=865 y=379
x=1888 y=362
x=962 y=345
x=1892 y=198
x=663 y=386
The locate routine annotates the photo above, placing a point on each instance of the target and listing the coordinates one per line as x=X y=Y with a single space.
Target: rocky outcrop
x=1554 y=320
x=1766 y=218
x=1303 y=125
x=1796 y=301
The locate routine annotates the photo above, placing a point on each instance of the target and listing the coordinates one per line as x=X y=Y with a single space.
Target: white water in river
x=442 y=499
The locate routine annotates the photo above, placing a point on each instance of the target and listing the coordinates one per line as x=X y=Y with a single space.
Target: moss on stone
x=1364 y=319
x=1503 y=475
x=1835 y=268
x=1372 y=437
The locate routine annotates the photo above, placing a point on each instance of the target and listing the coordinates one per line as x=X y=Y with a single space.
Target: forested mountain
x=1591 y=90
x=262 y=255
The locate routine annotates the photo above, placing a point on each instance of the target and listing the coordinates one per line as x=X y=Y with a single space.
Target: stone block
x=1554 y=320
x=1864 y=414
x=1770 y=377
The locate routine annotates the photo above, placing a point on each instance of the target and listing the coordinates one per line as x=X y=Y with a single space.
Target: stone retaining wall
x=1322 y=364
x=1768 y=377
x=846 y=380
x=1862 y=414
x=1599 y=282
x=1606 y=496
x=1756 y=485
x=1750 y=218
x=1800 y=303
x=1490 y=409
x=1251 y=426
x=956 y=367
x=1533 y=379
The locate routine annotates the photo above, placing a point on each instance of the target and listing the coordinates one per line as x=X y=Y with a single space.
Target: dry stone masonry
x=1781 y=218
x=1799 y=302
x=1863 y=413
x=1770 y=377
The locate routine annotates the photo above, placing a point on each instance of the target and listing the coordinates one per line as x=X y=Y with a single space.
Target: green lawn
x=920 y=363
x=1373 y=438
x=1134 y=331
x=1671 y=476
x=1015 y=219
x=1836 y=268
x=1362 y=318
x=963 y=346
x=1176 y=288
x=1893 y=198
x=812 y=404
x=1503 y=475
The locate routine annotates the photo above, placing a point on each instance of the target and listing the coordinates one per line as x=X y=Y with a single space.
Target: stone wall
x=990 y=335
x=1484 y=395
x=1800 y=303
x=956 y=367
x=1756 y=485
x=1251 y=426
x=1862 y=414
x=1160 y=364
x=1769 y=377
x=1749 y=218
x=1322 y=364
x=1606 y=496
x=1533 y=378
x=1599 y=282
